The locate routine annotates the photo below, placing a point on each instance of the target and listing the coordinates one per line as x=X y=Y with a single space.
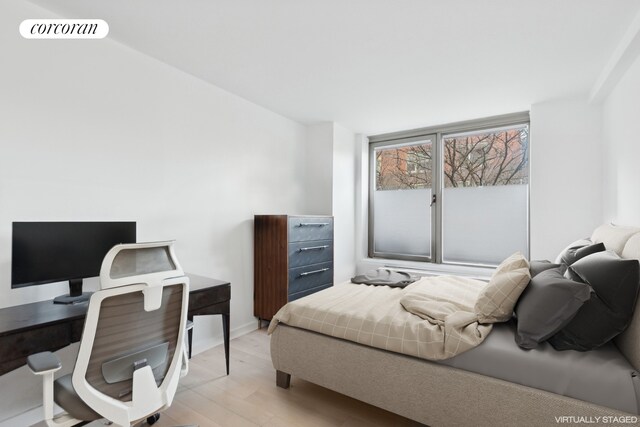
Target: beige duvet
x=433 y=318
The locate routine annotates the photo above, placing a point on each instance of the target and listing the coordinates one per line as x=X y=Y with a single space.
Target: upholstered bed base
x=427 y=392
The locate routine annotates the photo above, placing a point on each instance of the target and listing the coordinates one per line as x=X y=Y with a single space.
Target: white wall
x=566 y=174
x=319 y=168
x=331 y=176
x=362 y=202
x=343 y=202
x=622 y=150
x=92 y=130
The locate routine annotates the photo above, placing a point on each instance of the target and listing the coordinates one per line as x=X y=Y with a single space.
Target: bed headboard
x=626 y=242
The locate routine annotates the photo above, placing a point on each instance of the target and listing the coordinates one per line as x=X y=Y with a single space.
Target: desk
x=45 y=326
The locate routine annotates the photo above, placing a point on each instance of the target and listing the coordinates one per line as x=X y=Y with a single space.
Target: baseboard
x=34 y=416
x=244 y=329
x=206 y=344
x=27 y=418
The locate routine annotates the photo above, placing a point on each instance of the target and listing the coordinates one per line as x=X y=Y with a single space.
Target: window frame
x=372 y=184
x=437 y=134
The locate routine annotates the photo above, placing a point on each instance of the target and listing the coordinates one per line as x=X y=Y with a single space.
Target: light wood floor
x=249 y=396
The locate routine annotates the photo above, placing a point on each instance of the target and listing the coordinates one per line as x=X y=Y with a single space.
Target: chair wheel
x=152 y=419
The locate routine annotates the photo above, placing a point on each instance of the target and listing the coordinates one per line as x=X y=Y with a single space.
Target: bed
x=496 y=383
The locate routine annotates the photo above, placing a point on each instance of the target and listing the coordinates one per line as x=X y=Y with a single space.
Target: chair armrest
x=42 y=363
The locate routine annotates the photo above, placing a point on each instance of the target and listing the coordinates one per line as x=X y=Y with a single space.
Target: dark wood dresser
x=293 y=257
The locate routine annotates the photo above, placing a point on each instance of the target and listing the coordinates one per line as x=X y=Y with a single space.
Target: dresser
x=293 y=258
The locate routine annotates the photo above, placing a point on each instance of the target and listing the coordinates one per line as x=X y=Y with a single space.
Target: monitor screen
x=47 y=252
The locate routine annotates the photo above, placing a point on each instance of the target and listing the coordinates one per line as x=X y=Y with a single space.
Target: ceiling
x=375 y=66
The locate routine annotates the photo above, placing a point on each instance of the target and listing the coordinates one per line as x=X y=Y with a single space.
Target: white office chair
x=132 y=351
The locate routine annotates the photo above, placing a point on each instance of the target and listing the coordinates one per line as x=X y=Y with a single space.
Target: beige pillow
x=613 y=236
x=498 y=298
x=632 y=248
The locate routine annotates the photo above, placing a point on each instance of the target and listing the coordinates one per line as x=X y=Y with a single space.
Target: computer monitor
x=49 y=252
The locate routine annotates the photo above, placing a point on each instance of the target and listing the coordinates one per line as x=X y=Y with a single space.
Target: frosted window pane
x=402 y=222
x=484 y=224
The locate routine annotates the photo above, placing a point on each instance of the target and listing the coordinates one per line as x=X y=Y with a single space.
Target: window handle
x=433 y=200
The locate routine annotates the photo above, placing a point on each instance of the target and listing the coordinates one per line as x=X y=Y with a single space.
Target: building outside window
x=456 y=194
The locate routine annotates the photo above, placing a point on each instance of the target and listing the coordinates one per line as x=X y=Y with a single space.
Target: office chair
x=132 y=350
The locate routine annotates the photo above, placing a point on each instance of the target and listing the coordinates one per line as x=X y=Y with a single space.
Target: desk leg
x=190 y=336
x=225 y=327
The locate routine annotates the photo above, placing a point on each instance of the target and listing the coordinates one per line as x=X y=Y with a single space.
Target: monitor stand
x=75 y=295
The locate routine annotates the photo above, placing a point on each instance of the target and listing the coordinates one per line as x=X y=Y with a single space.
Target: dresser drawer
x=310 y=228
x=310 y=276
x=312 y=252
x=299 y=295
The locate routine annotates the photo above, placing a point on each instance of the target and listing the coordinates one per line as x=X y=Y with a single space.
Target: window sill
x=425 y=268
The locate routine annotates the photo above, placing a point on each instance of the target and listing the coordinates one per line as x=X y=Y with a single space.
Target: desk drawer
x=310 y=276
x=206 y=297
x=299 y=295
x=310 y=228
x=22 y=344
x=306 y=253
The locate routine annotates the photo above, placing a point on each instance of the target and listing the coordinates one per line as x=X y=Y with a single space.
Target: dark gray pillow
x=573 y=254
x=577 y=244
x=538 y=266
x=614 y=282
x=547 y=305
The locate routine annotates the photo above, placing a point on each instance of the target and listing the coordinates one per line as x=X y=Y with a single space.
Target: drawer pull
x=313 y=248
x=307 y=273
x=313 y=224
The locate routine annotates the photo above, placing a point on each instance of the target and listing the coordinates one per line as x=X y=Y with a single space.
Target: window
x=456 y=194
x=403 y=181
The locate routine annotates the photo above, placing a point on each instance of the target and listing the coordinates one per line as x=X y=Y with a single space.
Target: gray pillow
x=573 y=254
x=538 y=266
x=577 y=244
x=547 y=305
x=615 y=282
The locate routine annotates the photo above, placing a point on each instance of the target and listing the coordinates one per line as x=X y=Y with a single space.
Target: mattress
x=375 y=316
x=602 y=376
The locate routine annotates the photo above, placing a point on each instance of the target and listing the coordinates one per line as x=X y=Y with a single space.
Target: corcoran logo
x=64 y=29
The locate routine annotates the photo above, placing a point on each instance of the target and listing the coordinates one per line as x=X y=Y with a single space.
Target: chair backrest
x=131 y=350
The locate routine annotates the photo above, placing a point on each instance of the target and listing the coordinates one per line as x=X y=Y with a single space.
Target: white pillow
x=613 y=236
x=498 y=298
x=632 y=248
